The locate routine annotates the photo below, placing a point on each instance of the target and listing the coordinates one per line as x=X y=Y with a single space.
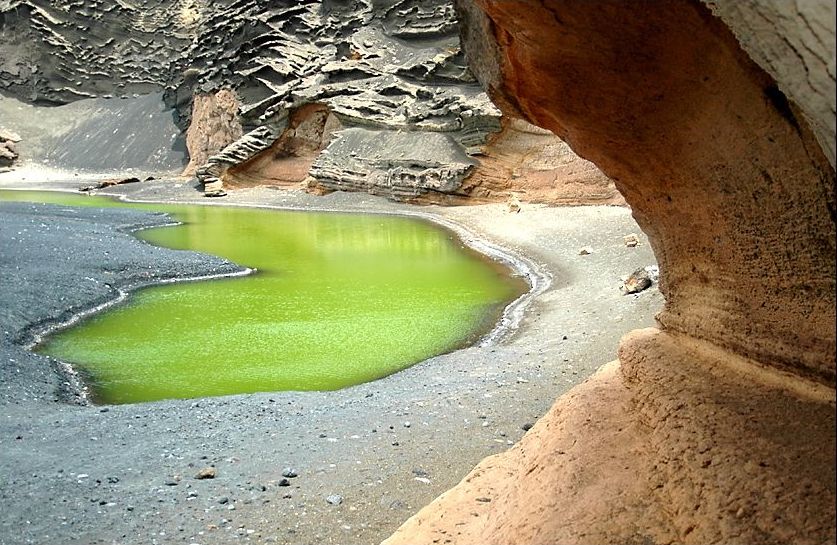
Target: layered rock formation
x=55 y=52
x=718 y=426
x=244 y=77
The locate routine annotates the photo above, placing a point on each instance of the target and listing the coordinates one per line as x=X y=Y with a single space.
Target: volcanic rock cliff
x=717 y=426
x=358 y=95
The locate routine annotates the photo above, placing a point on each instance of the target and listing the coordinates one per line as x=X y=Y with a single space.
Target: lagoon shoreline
x=103 y=474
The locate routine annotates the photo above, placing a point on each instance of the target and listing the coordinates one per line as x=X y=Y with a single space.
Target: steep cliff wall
x=718 y=426
x=239 y=76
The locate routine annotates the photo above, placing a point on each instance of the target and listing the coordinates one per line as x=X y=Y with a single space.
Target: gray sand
x=125 y=474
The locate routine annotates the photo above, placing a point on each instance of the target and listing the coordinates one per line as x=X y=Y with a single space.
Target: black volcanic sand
x=126 y=474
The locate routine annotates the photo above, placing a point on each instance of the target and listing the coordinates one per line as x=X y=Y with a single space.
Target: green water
x=338 y=299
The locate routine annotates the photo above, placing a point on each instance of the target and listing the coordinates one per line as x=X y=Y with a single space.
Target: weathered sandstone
x=719 y=426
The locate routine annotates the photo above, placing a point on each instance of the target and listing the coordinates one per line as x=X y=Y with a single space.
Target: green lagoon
x=338 y=299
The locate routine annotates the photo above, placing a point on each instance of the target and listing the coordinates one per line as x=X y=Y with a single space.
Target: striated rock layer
x=719 y=426
x=242 y=79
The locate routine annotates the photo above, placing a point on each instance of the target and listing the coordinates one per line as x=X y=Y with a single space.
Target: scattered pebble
x=335 y=499
x=289 y=473
x=206 y=473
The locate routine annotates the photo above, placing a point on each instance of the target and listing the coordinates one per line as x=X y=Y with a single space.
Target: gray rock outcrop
x=392 y=66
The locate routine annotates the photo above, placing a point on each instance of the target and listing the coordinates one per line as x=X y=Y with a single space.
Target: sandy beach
x=74 y=474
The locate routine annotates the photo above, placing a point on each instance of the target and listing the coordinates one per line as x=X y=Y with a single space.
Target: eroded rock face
x=58 y=51
x=535 y=166
x=214 y=125
x=731 y=186
x=793 y=42
x=719 y=425
x=288 y=159
x=240 y=76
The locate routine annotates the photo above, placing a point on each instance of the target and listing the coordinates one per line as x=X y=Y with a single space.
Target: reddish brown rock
x=538 y=167
x=726 y=180
x=718 y=427
x=288 y=160
x=682 y=444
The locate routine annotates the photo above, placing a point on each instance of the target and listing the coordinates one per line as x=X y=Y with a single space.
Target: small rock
x=284 y=482
x=207 y=473
x=223 y=500
x=406 y=424
x=631 y=240
x=527 y=426
x=335 y=499
x=513 y=204
x=585 y=251
x=483 y=500
x=637 y=282
x=289 y=473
